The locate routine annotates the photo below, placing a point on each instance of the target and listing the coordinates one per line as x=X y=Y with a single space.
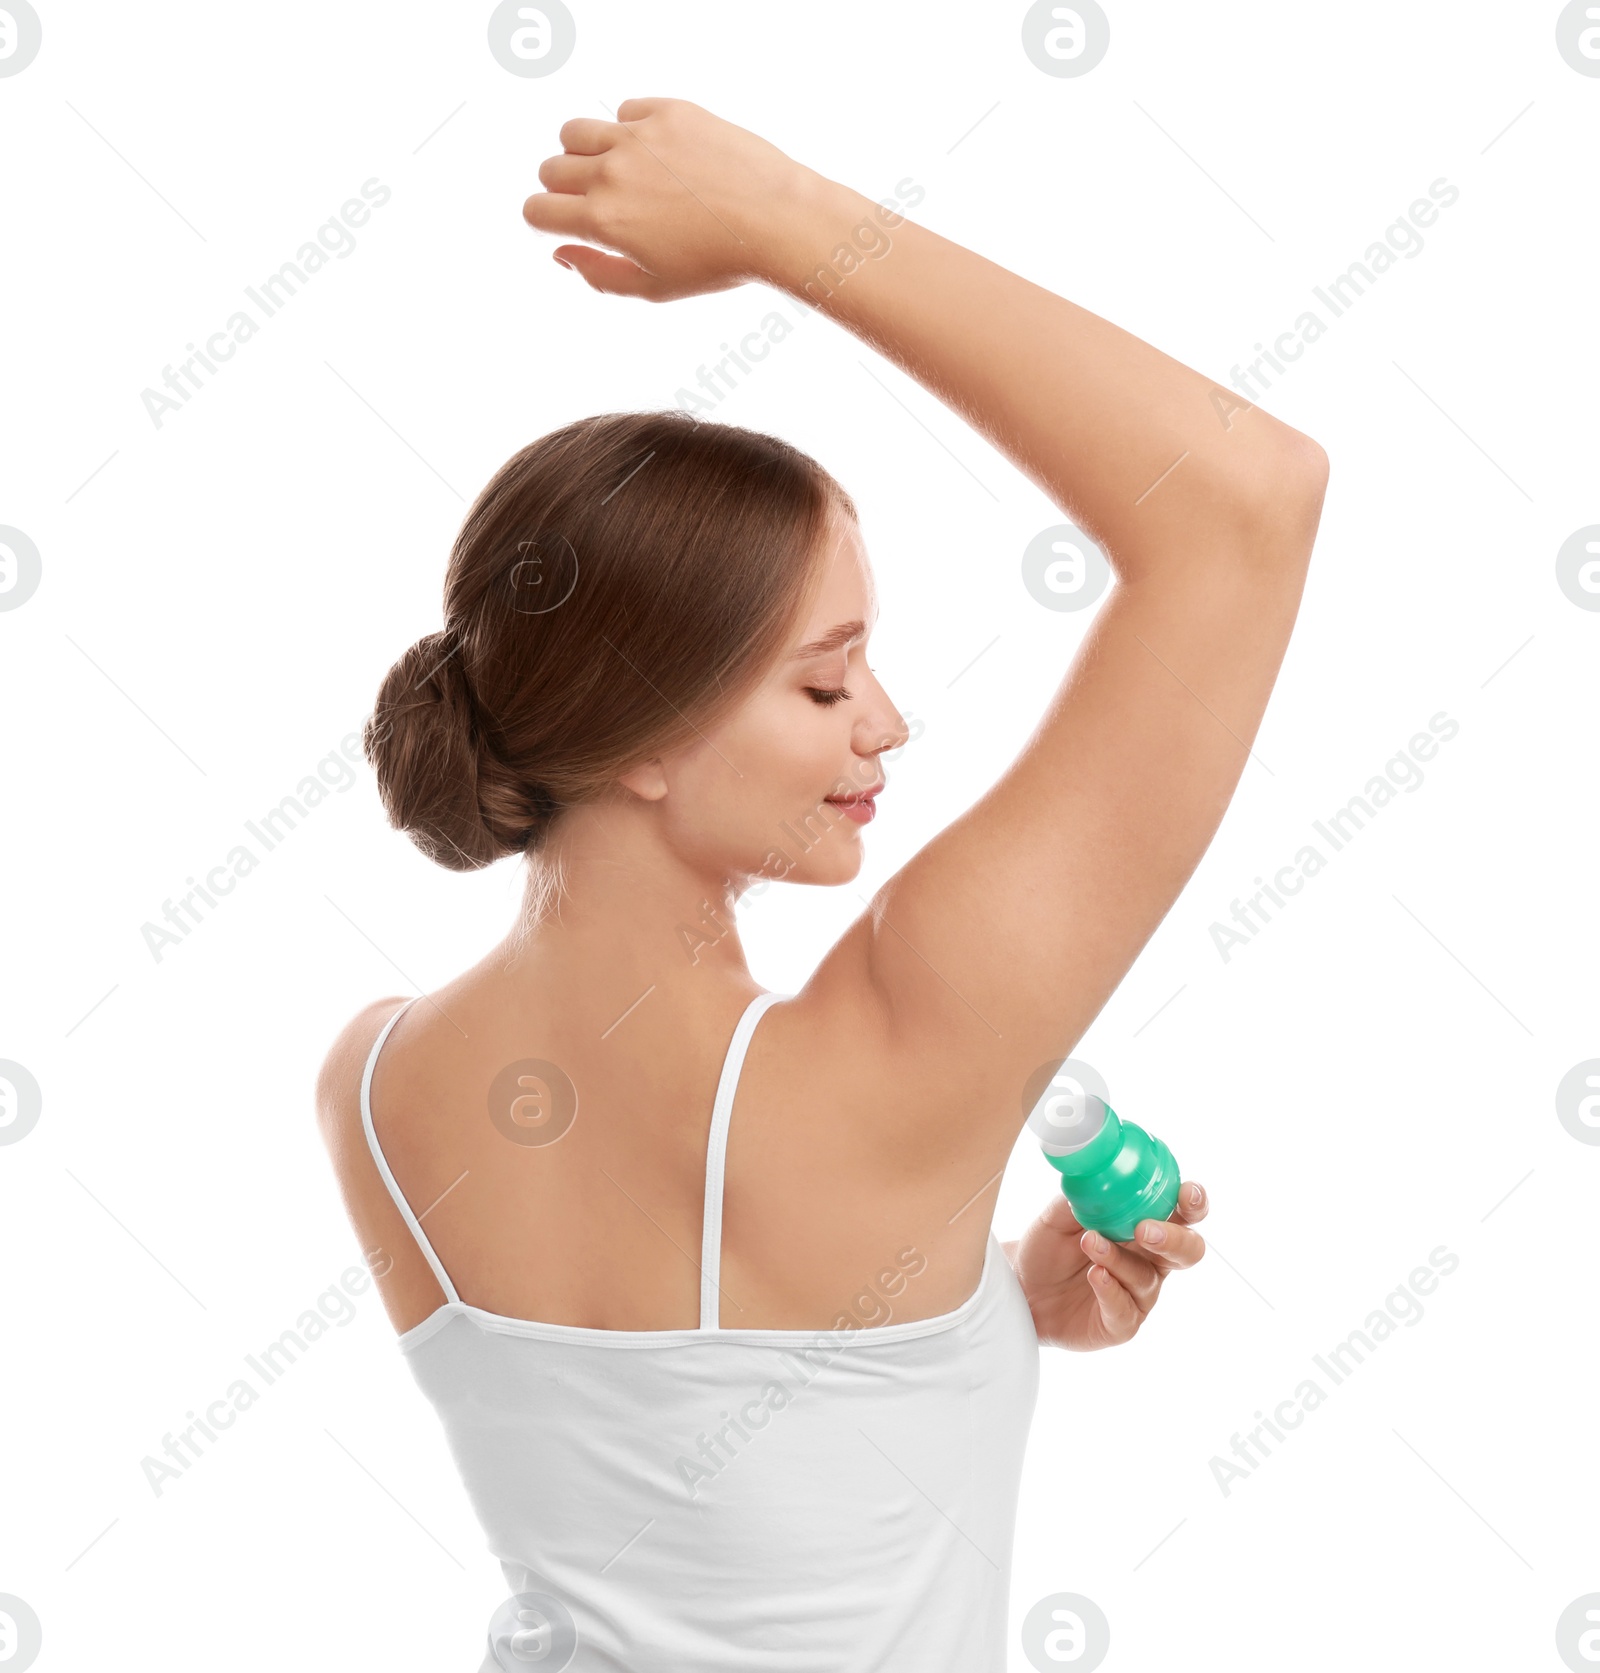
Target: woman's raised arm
x=992 y=950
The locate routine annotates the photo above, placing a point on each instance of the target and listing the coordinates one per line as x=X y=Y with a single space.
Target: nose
x=880 y=725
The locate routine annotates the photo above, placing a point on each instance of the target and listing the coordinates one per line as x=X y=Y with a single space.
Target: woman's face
x=761 y=794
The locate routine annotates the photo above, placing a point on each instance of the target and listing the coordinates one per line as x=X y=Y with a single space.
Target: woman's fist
x=688 y=203
x=1085 y=1292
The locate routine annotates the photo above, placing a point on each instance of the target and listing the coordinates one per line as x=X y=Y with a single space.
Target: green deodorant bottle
x=1113 y=1173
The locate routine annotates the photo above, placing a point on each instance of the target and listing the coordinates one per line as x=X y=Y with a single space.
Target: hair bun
x=438 y=776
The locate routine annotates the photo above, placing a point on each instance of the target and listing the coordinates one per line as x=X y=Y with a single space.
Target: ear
x=648 y=780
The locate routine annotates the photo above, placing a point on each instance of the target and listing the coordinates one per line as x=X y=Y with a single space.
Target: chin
x=829 y=863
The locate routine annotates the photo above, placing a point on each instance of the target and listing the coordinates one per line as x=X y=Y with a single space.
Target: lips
x=858 y=805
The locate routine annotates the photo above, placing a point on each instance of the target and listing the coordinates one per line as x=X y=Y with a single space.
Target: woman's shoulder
x=338 y=1096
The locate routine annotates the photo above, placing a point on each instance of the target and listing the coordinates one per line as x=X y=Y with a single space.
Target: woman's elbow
x=1282 y=502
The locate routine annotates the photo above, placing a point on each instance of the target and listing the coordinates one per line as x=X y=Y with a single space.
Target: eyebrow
x=832 y=640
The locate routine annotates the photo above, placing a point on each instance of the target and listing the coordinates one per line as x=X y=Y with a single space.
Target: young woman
x=732 y=1365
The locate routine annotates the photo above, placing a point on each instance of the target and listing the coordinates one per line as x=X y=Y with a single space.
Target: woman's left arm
x=1085 y=1293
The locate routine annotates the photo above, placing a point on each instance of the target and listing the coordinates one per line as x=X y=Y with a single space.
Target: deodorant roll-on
x=1113 y=1173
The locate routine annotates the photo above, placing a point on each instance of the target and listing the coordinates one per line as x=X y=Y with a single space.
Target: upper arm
x=989 y=953
x=338 y=1096
x=404 y=1279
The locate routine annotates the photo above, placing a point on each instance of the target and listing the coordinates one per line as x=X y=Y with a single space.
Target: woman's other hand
x=688 y=202
x=1085 y=1293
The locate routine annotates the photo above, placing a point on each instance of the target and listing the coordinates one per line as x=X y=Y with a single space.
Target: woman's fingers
x=635 y=110
x=569 y=172
x=1140 y=1266
x=1058 y=1214
x=695 y=201
x=615 y=275
x=589 y=135
x=1192 y=1202
x=1136 y=1275
x=1168 y=1242
x=1126 y=1277
x=1120 y=1313
x=565 y=213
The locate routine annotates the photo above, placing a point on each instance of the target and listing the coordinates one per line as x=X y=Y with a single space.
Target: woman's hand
x=1085 y=1293
x=690 y=203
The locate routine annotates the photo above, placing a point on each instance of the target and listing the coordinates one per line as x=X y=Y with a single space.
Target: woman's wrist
x=821 y=232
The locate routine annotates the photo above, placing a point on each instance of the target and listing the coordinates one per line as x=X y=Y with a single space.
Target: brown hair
x=619 y=584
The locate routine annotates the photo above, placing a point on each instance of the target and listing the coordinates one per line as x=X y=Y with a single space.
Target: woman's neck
x=612 y=910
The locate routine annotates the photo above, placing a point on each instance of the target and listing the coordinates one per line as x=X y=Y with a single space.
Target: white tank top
x=716 y=1500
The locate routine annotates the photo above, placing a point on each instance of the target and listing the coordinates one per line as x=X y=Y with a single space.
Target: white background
x=1372 y=1077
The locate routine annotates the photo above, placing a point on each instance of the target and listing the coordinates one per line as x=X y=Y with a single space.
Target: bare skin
x=879 y=1105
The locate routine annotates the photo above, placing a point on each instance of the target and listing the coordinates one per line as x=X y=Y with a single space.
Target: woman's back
x=688 y=1495
x=554 y=1143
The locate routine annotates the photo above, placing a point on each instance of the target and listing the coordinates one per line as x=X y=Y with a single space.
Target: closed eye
x=825 y=697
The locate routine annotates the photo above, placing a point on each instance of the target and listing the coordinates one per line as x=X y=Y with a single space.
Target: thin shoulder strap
x=383 y=1162
x=716 y=1152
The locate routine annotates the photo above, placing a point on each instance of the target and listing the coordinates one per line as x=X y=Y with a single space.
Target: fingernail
x=565 y=263
x=1195 y=1194
x=1155 y=1234
x=1097 y=1244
